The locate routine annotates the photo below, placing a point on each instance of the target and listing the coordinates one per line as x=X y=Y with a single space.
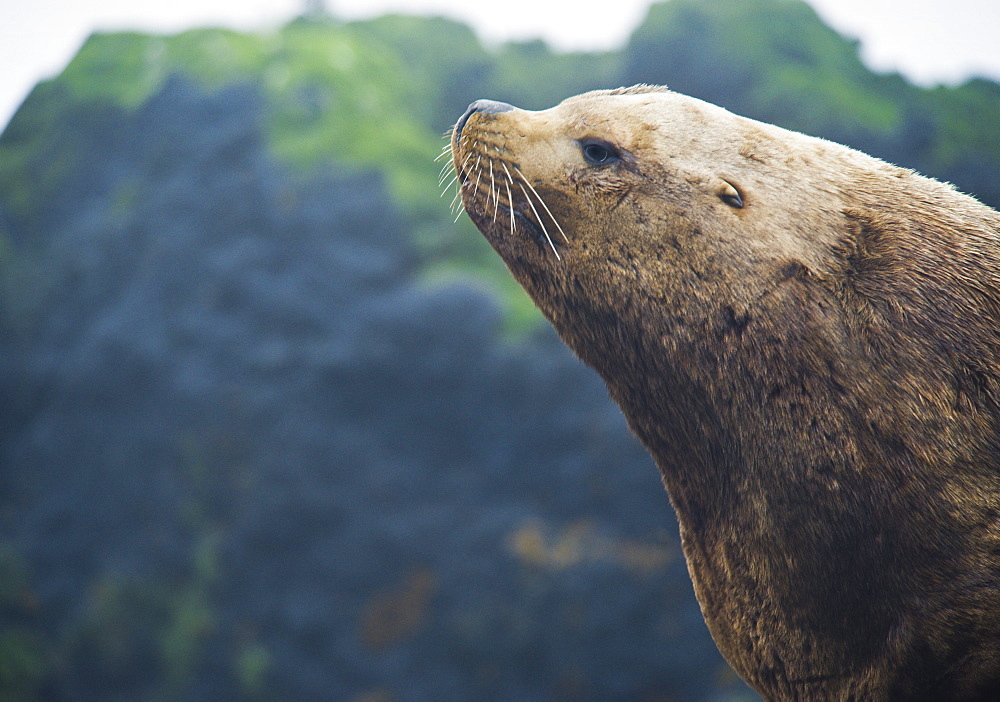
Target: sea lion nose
x=491 y=107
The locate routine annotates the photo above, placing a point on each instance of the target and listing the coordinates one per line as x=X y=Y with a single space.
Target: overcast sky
x=928 y=40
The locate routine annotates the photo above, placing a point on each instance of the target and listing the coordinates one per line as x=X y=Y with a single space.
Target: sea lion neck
x=633 y=242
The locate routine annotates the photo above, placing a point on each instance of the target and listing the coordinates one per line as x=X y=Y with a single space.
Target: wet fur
x=816 y=374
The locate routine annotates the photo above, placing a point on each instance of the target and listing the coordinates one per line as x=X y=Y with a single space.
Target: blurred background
x=273 y=426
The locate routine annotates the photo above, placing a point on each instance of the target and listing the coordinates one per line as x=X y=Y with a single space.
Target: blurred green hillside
x=379 y=95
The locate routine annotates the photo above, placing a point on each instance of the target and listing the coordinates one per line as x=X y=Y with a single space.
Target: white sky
x=928 y=40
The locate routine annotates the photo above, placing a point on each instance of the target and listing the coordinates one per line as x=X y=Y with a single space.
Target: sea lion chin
x=807 y=339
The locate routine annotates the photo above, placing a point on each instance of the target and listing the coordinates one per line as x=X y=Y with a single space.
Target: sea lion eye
x=599 y=153
x=731 y=196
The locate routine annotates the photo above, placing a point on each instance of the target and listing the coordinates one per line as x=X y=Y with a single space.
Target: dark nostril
x=491 y=107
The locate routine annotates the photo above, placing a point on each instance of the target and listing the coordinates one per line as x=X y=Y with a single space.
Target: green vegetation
x=331 y=92
x=378 y=95
x=772 y=59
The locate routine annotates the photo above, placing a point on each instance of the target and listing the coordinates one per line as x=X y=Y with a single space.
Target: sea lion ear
x=730 y=195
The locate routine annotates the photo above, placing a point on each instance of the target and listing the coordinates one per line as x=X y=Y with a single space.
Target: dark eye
x=599 y=153
x=731 y=196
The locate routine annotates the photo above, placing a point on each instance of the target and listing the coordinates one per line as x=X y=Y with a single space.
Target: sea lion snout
x=491 y=107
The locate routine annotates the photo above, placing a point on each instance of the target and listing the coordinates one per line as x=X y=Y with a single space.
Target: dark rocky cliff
x=248 y=453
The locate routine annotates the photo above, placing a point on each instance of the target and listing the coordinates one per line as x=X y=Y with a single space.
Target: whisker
x=454 y=178
x=492 y=179
x=479 y=174
x=509 y=177
x=446 y=149
x=495 y=192
x=442 y=177
x=510 y=205
x=540 y=222
x=551 y=216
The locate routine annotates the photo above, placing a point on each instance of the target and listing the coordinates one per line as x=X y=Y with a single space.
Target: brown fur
x=817 y=374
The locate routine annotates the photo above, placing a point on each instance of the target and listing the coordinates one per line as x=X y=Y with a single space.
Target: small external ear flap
x=730 y=195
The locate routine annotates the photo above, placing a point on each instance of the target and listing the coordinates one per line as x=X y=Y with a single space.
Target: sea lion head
x=648 y=207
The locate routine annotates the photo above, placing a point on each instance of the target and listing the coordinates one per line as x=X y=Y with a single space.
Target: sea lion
x=807 y=339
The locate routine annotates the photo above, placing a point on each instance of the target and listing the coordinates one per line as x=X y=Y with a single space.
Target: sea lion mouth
x=535 y=230
x=510 y=214
x=515 y=199
x=491 y=185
